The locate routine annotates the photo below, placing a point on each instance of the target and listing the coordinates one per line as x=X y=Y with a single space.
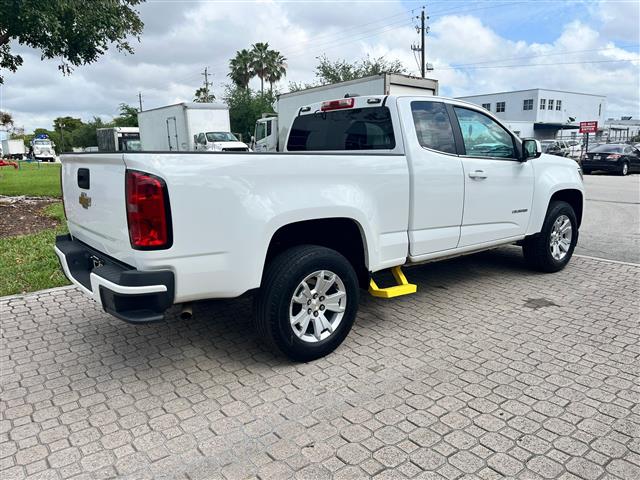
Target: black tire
x=624 y=169
x=586 y=171
x=537 y=249
x=281 y=278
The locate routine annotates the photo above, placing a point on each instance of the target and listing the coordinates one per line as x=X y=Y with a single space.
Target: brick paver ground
x=489 y=371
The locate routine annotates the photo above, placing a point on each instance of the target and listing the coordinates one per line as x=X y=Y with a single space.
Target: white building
x=542 y=113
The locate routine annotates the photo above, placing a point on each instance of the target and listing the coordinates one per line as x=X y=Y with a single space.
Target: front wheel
x=307 y=302
x=552 y=248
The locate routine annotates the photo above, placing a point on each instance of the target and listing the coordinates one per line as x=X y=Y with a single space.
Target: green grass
x=28 y=262
x=31 y=179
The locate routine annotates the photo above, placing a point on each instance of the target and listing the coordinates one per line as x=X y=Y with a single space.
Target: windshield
x=607 y=149
x=221 y=137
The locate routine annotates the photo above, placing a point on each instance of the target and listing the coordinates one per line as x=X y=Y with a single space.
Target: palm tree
x=260 y=62
x=277 y=68
x=240 y=66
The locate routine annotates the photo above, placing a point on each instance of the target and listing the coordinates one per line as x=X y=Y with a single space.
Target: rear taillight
x=613 y=156
x=337 y=104
x=148 y=213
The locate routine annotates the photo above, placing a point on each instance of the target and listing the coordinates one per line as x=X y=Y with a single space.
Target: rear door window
x=433 y=126
x=352 y=129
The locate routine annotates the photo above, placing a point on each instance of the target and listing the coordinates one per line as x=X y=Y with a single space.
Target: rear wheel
x=307 y=302
x=586 y=171
x=552 y=248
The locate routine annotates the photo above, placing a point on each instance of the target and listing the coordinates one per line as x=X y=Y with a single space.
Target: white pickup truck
x=366 y=184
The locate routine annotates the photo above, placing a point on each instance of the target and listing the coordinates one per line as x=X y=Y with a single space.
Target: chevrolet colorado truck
x=366 y=184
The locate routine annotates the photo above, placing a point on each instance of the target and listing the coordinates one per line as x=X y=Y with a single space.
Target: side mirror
x=531 y=148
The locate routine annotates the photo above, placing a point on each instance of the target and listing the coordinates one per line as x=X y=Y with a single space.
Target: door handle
x=478 y=174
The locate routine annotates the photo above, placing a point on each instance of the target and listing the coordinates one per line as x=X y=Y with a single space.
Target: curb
x=37 y=292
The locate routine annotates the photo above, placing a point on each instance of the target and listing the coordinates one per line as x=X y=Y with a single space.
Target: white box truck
x=118 y=139
x=14 y=149
x=177 y=127
x=271 y=131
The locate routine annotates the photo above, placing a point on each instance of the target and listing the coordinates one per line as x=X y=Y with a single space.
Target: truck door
x=266 y=136
x=437 y=183
x=498 y=187
x=172 y=134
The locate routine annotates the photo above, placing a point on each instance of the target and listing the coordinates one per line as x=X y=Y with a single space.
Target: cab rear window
x=352 y=129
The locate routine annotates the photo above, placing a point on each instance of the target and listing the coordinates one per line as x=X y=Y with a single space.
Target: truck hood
x=223 y=145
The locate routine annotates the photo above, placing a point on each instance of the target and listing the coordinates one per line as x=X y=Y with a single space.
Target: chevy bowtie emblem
x=84 y=200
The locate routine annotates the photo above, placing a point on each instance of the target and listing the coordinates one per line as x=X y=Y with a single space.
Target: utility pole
x=206 y=82
x=140 y=100
x=423 y=30
x=422 y=64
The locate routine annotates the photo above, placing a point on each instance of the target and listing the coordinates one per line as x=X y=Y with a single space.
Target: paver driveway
x=488 y=371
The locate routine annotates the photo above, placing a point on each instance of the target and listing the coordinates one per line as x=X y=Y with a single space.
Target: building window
x=599 y=109
x=550 y=104
x=527 y=104
x=559 y=105
x=543 y=103
x=500 y=107
x=486 y=106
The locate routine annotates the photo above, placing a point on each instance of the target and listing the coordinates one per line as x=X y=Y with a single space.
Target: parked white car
x=367 y=184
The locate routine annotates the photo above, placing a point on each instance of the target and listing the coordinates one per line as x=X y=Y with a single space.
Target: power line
x=353 y=38
x=565 y=52
x=541 y=64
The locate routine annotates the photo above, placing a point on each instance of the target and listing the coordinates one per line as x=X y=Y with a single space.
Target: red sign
x=588 y=127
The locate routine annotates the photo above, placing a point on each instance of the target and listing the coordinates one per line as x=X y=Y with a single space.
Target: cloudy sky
x=475 y=47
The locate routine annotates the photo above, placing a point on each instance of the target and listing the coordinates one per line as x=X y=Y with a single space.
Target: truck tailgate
x=94 y=200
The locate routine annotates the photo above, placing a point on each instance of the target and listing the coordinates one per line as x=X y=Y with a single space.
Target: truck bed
x=226 y=206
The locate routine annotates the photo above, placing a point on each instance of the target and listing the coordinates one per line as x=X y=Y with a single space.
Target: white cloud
x=180 y=39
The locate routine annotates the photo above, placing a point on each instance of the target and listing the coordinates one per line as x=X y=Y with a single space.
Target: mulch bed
x=23 y=215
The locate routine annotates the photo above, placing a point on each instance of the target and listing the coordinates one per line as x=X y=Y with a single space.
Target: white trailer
x=172 y=128
x=271 y=131
x=118 y=139
x=14 y=149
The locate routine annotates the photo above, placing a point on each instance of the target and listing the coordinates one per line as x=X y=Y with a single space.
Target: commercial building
x=542 y=113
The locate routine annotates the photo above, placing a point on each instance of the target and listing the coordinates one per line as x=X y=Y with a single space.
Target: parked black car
x=612 y=157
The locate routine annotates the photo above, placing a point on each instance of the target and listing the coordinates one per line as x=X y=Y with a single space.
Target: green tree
x=77 y=32
x=241 y=72
x=245 y=107
x=85 y=135
x=277 y=68
x=334 y=71
x=128 y=116
x=5 y=119
x=260 y=55
x=68 y=123
x=203 y=96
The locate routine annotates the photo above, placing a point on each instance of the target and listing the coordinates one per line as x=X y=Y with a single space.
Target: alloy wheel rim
x=317 y=306
x=625 y=169
x=561 y=235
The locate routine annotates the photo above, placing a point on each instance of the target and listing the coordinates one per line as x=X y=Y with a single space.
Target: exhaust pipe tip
x=186 y=312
